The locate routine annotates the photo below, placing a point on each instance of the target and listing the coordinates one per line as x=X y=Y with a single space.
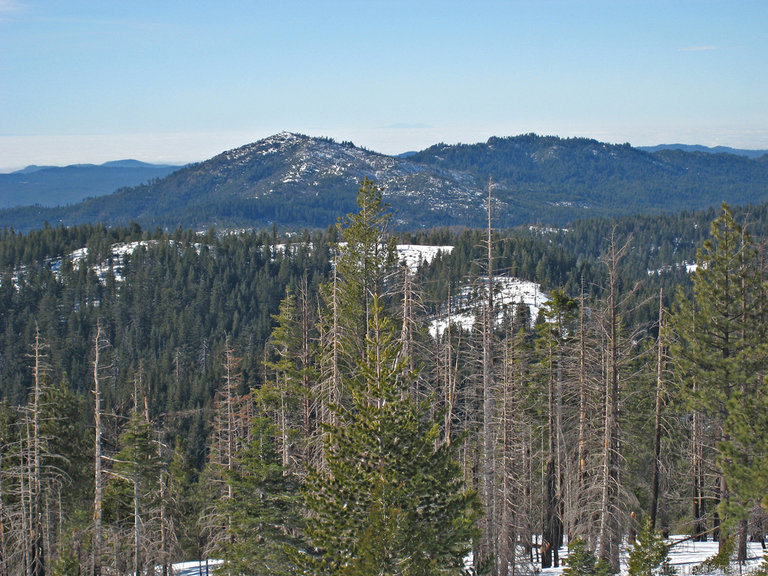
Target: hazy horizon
x=177 y=82
x=181 y=163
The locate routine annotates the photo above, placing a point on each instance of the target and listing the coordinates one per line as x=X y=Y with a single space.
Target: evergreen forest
x=272 y=403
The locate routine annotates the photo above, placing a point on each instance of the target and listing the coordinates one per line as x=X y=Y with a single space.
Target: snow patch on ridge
x=414 y=255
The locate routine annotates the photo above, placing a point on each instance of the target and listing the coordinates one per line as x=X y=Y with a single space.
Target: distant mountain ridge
x=705 y=149
x=127 y=163
x=62 y=185
x=294 y=181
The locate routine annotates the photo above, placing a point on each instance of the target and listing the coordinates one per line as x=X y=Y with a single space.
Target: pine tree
x=649 y=555
x=363 y=264
x=583 y=562
x=721 y=357
x=289 y=396
x=132 y=494
x=389 y=497
x=99 y=345
x=264 y=511
x=389 y=502
x=231 y=422
x=609 y=537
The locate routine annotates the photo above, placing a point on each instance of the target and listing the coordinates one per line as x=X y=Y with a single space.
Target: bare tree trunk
x=230 y=391
x=609 y=532
x=657 y=419
x=508 y=541
x=26 y=530
x=137 y=559
x=284 y=442
x=699 y=527
x=335 y=380
x=741 y=549
x=97 y=470
x=164 y=552
x=309 y=424
x=549 y=496
x=450 y=377
x=528 y=490
x=37 y=552
x=488 y=547
x=406 y=331
x=581 y=503
x=721 y=492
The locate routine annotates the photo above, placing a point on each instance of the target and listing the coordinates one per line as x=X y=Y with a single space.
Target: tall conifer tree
x=386 y=501
x=389 y=501
x=721 y=356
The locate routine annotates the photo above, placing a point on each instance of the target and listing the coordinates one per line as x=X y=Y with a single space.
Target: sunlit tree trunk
x=657 y=415
x=98 y=476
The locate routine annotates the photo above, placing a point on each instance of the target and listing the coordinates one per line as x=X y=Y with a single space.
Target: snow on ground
x=686 y=555
x=508 y=293
x=118 y=253
x=689 y=267
x=683 y=556
x=413 y=255
x=195 y=568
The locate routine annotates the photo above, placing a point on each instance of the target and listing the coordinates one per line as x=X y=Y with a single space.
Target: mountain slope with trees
x=292 y=181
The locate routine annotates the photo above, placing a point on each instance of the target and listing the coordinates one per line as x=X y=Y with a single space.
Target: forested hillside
x=292 y=181
x=279 y=400
x=551 y=180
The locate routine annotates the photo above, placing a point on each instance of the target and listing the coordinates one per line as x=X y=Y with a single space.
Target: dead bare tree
x=100 y=344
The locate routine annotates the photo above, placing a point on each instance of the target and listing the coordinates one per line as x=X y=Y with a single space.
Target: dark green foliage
x=554 y=180
x=744 y=455
x=583 y=562
x=363 y=263
x=68 y=443
x=177 y=297
x=389 y=501
x=138 y=465
x=649 y=555
x=389 y=497
x=168 y=307
x=181 y=507
x=264 y=512
x=721 y=356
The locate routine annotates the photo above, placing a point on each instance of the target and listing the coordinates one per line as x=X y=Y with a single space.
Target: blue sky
x=177 y=81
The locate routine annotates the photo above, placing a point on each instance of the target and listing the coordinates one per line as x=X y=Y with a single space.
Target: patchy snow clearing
x=509 y=292
x=414 y=255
